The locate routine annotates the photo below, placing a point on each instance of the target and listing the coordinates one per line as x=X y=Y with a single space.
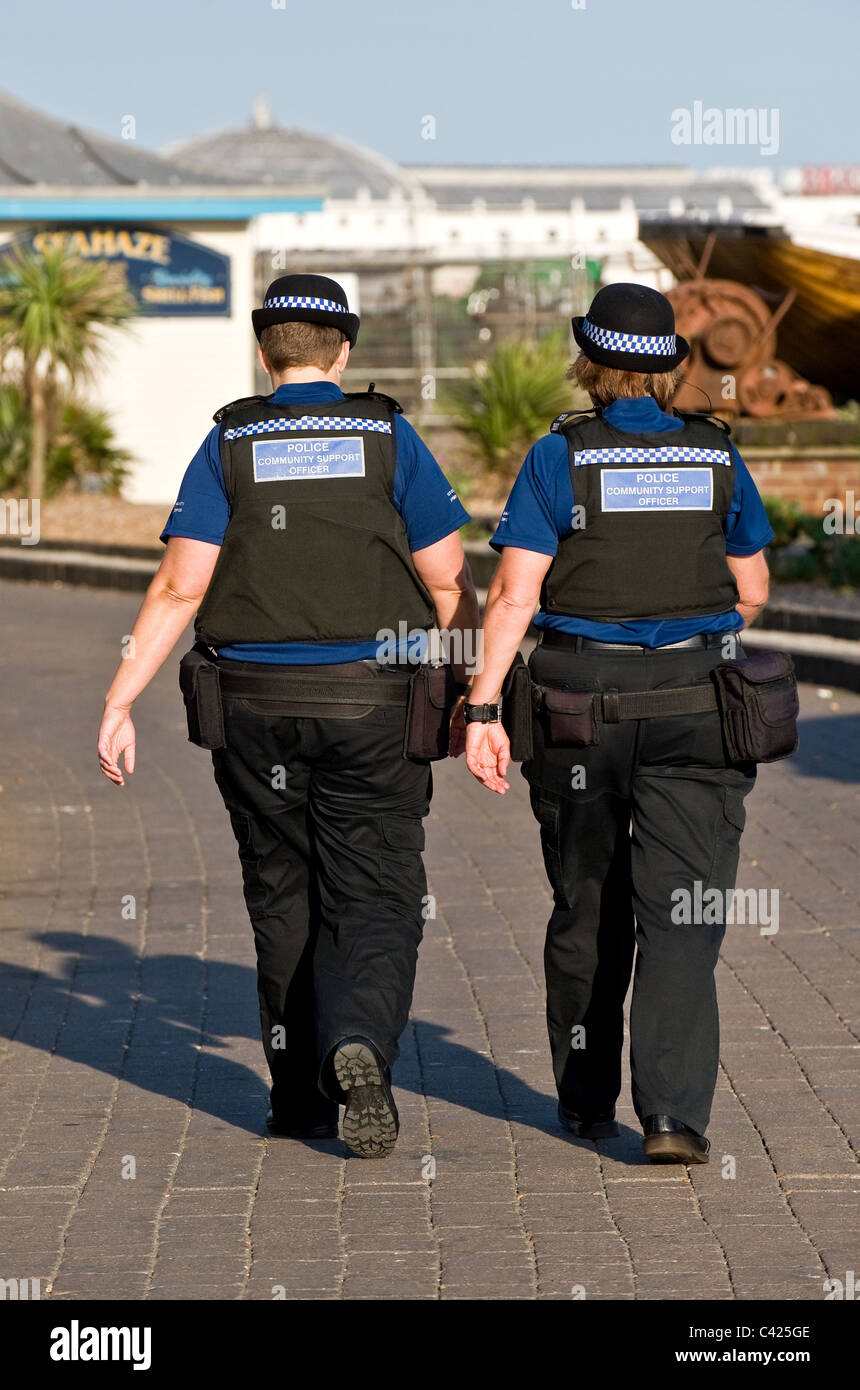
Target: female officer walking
x=640 y=535
x=311 y=527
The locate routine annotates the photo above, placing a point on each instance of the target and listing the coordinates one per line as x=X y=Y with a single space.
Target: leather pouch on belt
x=517 y=710
x=432 y=696
x=198 y=681
x=758 y=704
x=568 y=717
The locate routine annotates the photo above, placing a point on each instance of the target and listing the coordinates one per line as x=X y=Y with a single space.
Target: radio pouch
x=433 y=693
x=201 y=691
x=517 y=712
x=758 y=705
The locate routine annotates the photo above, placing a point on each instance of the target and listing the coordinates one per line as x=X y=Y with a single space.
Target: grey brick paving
x=133 y=1039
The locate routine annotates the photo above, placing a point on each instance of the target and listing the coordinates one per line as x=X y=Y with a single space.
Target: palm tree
x=53 y=308
x=509 y=401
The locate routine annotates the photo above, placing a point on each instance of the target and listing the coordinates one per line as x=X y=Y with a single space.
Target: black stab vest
x=649 y=512
x=315 y=550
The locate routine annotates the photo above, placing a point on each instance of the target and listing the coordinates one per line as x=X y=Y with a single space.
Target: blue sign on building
x=167 y=275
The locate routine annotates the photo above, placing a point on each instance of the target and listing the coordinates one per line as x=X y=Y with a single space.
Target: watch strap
x=482 y=714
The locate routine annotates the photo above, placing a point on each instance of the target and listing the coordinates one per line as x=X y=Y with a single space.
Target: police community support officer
x=636 y=594
x=308 y=523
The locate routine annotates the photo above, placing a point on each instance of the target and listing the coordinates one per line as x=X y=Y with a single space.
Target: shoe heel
x=671 y=1148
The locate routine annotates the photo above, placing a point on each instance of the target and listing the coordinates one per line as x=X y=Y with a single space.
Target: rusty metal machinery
x=732 y=336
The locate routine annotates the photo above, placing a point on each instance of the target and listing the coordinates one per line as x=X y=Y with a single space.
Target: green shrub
x=83 y=446
x=511 y=402
x=803 y=550
x=785 y=518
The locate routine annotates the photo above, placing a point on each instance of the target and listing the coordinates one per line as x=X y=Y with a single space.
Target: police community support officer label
x=278 y=460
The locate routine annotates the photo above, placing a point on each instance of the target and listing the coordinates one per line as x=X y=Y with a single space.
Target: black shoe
x=595 y=1127
x=292 y=1128
x=669 y=1141
x=371 y=1123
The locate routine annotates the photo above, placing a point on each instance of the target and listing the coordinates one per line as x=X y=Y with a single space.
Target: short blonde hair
x=607 y=384
x=301 y=344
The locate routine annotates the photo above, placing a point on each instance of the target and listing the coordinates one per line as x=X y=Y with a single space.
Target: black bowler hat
x=306 y=299
x=631 y=327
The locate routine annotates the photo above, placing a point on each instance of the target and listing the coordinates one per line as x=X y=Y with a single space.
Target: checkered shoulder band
x=304 y=301
x=309 y=424
x=629 y=342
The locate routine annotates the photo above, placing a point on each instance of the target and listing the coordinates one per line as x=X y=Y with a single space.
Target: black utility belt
x=567 y=641
x=756 y=699
x=283 y=687
x=428 y=694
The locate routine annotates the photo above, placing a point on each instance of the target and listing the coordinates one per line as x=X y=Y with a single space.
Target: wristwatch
x=482 y=714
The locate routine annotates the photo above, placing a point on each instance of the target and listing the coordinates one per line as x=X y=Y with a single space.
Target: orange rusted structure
x=732 y=336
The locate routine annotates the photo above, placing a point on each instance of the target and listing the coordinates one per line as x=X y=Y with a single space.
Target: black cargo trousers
x=327 y=814
x=652 y=809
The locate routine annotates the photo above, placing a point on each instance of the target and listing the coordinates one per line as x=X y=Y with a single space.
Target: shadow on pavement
x=164 y=1057
x=162 y=994
x=829 y=747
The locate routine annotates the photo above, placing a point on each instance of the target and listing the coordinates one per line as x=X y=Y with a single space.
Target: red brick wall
x=806 y=479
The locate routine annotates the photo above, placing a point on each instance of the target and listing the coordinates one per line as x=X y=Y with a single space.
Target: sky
x=504 y=81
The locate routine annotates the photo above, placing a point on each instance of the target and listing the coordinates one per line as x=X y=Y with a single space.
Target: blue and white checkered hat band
x=629 y=342
x=308 y=423
x=304 y=301
x=665 y=453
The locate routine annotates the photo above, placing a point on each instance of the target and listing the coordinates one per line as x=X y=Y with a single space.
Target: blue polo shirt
x=540 y=509
x=423 y=496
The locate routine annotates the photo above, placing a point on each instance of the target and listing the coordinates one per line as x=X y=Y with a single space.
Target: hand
x=488 y=753
x=457 y=728
x=116 y=737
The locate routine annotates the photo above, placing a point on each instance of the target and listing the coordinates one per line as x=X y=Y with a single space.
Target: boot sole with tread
x=370 y=1124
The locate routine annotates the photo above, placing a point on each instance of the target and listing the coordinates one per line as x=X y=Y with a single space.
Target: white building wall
x=163 y=378
x=827 y=223
x=474 y=233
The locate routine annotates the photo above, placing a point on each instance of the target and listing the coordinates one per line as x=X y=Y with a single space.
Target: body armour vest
x=648 y=537
x=315 y=549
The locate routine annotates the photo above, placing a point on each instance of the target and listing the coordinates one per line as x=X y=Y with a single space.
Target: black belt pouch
x=568 y=717
x=758 y=704
x=517 y=710
x=432 y=696
x=201 y=691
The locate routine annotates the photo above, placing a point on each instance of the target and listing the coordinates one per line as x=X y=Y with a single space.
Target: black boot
x=669 y=1141
x=590 y=1126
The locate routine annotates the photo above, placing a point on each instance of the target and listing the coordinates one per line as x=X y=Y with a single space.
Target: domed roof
x=267 y=153
x=39 y=149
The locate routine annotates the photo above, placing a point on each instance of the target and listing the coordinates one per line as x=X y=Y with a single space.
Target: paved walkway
x=132 y=1158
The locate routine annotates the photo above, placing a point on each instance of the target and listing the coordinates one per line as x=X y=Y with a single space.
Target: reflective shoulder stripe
x=309 y=423
x=664 y=453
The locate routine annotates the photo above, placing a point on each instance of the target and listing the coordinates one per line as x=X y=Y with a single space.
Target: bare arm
x=753 y=581
x=511 y=602
x=172 y=599
x=444 y=570
x=513 y=597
